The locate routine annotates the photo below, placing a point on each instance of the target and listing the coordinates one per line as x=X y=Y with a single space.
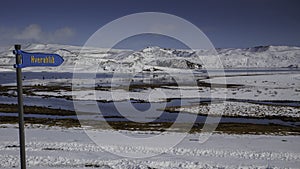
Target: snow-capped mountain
x=261 y=56
x=156 y=57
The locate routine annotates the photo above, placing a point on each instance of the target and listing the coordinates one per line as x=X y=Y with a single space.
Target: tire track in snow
x=177 y=151
x=55 y=161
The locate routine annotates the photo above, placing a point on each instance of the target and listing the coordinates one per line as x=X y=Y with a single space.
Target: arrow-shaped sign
x=25 y=59
x=38 y=59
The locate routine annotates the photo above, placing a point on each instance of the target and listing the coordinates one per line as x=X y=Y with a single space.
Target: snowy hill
x=128 y=60
x=261 y=57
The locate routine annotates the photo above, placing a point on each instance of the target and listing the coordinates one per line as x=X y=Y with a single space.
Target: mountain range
x=161 y=58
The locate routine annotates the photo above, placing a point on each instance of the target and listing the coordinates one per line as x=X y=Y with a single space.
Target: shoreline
x=68 y=118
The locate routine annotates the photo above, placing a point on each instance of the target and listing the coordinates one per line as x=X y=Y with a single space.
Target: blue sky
x=230 y=23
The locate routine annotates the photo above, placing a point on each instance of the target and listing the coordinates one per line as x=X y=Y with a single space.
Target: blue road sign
x=38 y=59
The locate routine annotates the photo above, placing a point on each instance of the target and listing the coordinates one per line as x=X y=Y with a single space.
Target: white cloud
x=35 y=33
x=63 y=33
x=31 y=32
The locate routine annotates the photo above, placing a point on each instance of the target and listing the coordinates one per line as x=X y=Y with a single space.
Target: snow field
x=71 y=148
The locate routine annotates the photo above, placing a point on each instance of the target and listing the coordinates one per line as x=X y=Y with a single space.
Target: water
x=109 y=112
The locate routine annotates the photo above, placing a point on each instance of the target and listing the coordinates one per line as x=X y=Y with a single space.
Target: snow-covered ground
x=272 y=86
x=54 y=147
x=276 y=86
x=243 y=109
x=266 y=75
x=270 y=93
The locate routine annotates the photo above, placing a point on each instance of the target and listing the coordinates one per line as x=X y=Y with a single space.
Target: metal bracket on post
x=20 y=105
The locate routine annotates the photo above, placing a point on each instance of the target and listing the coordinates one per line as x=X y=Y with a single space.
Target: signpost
x=25 y=59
